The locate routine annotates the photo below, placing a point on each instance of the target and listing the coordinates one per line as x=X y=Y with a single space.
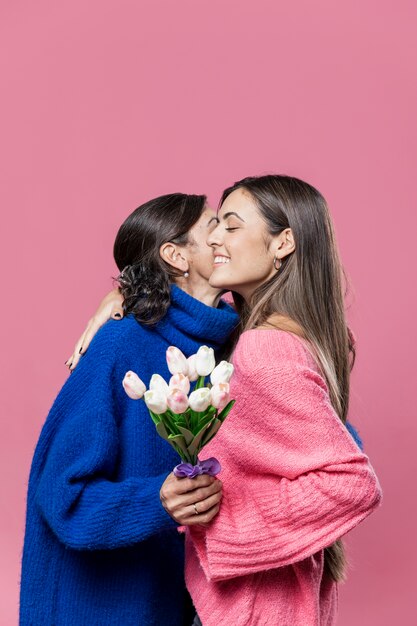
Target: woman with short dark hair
x=99 y=547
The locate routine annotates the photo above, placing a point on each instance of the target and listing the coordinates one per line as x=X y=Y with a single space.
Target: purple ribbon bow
x=209 y=466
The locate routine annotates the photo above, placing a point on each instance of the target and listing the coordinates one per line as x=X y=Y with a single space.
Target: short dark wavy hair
x=145 y=278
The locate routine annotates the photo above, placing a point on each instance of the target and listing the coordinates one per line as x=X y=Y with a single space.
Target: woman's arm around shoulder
x=111 y=307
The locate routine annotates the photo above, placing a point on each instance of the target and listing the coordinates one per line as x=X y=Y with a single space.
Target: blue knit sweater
x=99 y=549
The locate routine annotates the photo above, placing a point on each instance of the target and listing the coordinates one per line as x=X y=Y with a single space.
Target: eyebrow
x=216 y=219
x=226 y=215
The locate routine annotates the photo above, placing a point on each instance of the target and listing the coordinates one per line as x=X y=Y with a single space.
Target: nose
x=214 y=238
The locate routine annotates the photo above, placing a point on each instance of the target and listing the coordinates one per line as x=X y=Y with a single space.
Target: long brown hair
x=307 y=292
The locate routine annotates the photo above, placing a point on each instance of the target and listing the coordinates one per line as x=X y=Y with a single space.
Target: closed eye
x=231 y=229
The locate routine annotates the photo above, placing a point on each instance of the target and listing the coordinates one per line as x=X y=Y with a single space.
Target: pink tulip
x=222 y=373
x=156 y=401
x=176 y=361
x=192 y=372
x=220 y=395
x=177 y=401
x=205 y=362
x=200 y=399
x=179 y=381
x=133 y=385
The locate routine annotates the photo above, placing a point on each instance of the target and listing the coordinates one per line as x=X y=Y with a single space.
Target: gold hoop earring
x=275 y=263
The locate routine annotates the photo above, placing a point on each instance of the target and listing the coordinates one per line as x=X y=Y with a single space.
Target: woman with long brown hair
x=294 y=481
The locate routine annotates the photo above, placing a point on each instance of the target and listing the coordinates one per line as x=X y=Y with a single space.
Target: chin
x=220 y=281
x=220 y=285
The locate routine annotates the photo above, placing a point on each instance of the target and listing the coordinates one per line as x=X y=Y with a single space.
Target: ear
x=173 y=255
x=284 y=244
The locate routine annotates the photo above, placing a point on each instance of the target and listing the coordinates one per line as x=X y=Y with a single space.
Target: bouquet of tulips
x=188 y=421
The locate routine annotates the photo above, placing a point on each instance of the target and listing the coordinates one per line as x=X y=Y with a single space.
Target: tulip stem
x=200 y=382
x=169 y=422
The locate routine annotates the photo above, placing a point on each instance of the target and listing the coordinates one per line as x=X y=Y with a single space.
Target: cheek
x=251 y=264
x=250 y=252
x=203 y=260
x=252 y=267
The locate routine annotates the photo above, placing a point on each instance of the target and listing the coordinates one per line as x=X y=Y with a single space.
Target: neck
x=200 y=290
x=282 y=322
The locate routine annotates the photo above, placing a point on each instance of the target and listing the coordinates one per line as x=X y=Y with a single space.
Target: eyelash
x=232 y=229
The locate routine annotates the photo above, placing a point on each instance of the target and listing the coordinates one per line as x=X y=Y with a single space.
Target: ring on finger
x=195 y=509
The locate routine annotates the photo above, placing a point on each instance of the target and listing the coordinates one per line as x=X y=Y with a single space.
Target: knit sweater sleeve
x=77 y=492
x=294 y=480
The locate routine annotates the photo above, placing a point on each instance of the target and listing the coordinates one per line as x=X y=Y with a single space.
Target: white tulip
x=200 y=399
x=205 y=361
x=192 y=372
x=176 y=361
x=133 y=385
x=156 y=401
x=157 y=383
x=222 y=373
x=179 y=381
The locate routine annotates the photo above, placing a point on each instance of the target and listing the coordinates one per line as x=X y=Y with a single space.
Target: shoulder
x=272 y=348
x=124 y=330
x=277 y=364
x=114 y=348
x=117 y=338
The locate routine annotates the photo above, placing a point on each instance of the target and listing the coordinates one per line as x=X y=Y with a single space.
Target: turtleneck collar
x=189 y=323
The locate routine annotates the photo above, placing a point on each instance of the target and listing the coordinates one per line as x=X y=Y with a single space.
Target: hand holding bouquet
x=188 y=421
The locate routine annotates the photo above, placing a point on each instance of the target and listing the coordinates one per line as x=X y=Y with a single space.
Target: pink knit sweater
x=294 y=481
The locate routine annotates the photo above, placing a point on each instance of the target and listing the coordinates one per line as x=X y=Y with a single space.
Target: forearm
x=78 y=491
x=283 y=522
x=100 y=514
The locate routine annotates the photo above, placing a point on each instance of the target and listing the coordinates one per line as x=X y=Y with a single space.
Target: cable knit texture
x=294 y=481
x=100 y=550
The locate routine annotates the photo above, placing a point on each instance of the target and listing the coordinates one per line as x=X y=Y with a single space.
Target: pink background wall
x=105 y=104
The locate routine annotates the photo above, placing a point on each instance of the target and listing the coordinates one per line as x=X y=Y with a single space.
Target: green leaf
x=155 y=417
x=211 y=410
x=225 y=412
x=205 y=417
x=169 y=423
x=211 y=432
x=187 y=418
x=193 y=420
x=193 y=447
x=187 y=434
x=176 y=417
x=162 y=431
x=179 y=451
x=179 y=441
x=173 y=416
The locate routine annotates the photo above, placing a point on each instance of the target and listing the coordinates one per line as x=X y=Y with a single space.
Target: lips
x=221 y=260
